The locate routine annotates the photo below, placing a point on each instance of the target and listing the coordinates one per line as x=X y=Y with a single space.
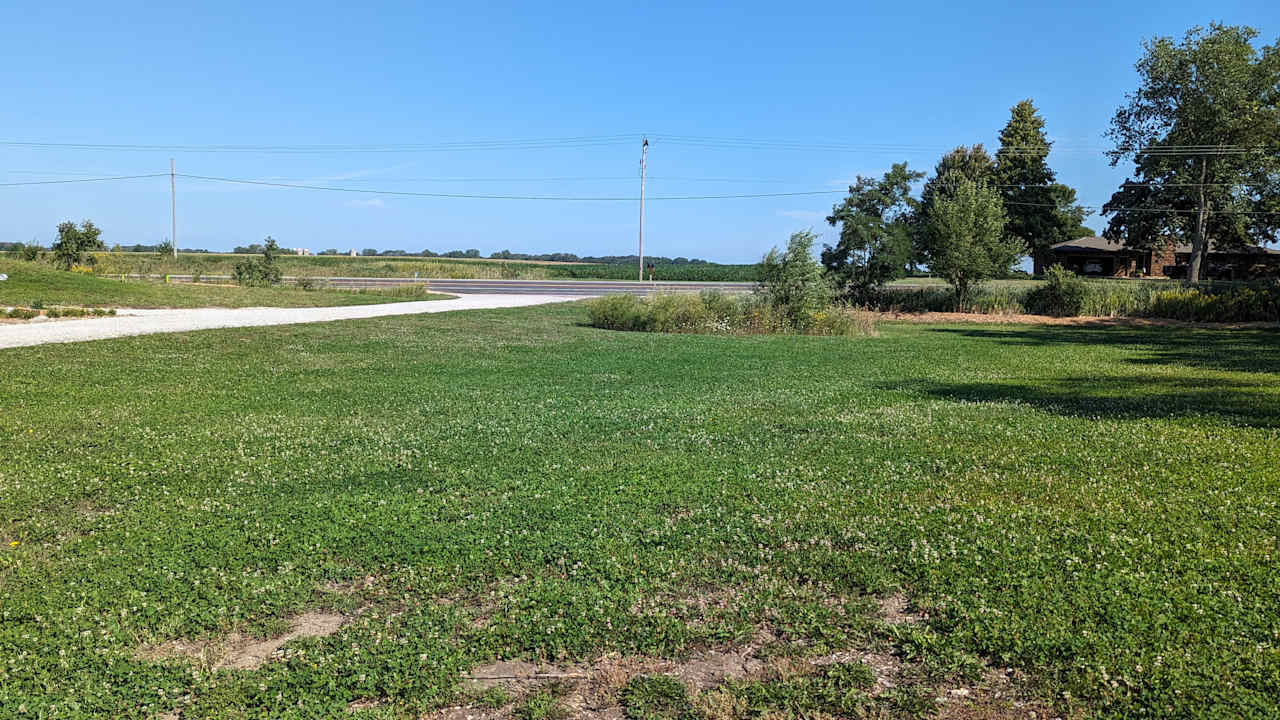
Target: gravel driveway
x=146 y=322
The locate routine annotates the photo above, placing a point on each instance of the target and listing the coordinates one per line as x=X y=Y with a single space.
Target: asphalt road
x=520 y=287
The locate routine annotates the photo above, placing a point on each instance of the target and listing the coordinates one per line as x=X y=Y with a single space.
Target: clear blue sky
x=922 y=77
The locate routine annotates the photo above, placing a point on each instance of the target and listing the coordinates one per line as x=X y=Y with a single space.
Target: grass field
x=426 y=495
x=35 y=283
x=452 y=268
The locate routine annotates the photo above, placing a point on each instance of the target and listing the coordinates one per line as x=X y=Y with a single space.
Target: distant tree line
x=472 y=253
x=598 y=259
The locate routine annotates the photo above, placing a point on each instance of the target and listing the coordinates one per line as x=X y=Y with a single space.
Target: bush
x=1063 y=294
x=618 y=312
x=18 y=313
x=29 y=253
x=793 y=280
x=259 y=272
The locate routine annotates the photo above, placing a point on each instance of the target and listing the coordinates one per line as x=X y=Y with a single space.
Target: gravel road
x=146 y=322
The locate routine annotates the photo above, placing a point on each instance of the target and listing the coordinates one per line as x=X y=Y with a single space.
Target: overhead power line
x=459 y=146
x=82 y=180
x=583 y=198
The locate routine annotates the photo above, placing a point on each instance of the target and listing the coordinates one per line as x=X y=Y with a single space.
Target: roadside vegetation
x=793 y=298
x=37 y=285
x=311 y=520
x=1063 y=294
x=141 y=263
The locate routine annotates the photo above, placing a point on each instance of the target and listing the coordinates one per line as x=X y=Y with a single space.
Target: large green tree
x=1041 y=210
x=963 y=229
x=973 y=163
x=74 y=242
x=875 y=233
x=1203 y=133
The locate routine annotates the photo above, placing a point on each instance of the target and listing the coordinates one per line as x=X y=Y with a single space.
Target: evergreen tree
x=1041 y=211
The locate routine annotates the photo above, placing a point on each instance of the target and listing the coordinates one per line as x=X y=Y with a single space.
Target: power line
x=588 y=198
x=570 y=198
x=82 y=180
x=1193 y=211
x=459 y=146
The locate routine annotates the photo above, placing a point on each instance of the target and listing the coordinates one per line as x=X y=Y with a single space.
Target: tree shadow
x=1237 y=350
x=1125 y=397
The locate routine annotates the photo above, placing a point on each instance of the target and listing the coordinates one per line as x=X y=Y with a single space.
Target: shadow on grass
x=1255 y=351
x=1252 y=404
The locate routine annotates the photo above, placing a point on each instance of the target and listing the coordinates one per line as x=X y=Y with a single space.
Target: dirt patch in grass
x=243 y=652
x=893 y=610
x=714 y=678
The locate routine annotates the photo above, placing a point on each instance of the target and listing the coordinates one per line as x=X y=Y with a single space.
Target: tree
x=1203 y=132
x=369 y=252
x=1041 y=211
x=793 y=281
x=964 y=233
x=875 y=234
x=73 y=242
x=971 y=162
x=259 y=272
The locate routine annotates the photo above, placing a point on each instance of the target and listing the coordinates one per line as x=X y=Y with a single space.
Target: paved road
x=146 y=322
x=522 y=287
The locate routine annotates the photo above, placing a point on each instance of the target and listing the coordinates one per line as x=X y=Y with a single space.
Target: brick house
x=1100 y=257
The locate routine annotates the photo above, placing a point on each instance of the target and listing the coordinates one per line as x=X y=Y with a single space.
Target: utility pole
x=173 y=209
x=644 y=146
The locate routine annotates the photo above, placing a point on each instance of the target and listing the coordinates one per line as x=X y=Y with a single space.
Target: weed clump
x=655 y=697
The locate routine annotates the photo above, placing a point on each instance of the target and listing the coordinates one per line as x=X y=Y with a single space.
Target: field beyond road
x=870 y=523
x=32 y=284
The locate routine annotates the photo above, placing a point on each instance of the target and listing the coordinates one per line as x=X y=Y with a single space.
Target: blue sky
x=920 y=77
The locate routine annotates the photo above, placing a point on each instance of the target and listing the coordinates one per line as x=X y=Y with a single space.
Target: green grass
x=1097 y=507
x=36 y=283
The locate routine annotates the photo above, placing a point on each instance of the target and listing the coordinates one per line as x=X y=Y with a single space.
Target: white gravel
x=146 y=322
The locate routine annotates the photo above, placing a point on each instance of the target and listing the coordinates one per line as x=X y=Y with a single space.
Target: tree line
x=1202 y=131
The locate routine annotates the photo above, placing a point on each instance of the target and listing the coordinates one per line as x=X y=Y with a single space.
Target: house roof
x=1095 y=244
x=1091 y=244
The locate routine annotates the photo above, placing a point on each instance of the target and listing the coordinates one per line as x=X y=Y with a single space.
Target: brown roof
x=1093 y=244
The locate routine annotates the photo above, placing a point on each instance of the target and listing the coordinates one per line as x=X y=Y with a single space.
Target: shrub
x=259 y=272
x=1063 y=294
x=618 y=312
x=29 y=253
x=793 y=280
x=18 y=313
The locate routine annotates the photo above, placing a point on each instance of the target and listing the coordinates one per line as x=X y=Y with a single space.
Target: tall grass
x=713 y=312
x=1096 y=298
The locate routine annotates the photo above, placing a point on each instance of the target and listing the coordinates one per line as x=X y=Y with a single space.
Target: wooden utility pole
x=173 y=209
x=644 y=146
